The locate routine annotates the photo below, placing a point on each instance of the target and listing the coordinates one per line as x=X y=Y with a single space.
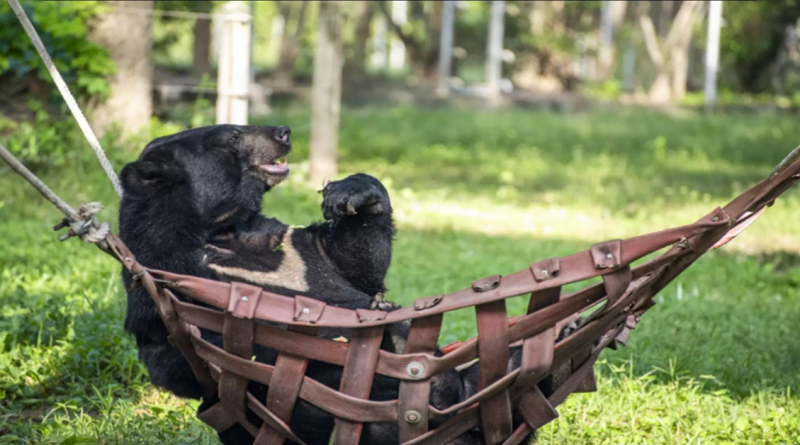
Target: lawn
x=475 y=193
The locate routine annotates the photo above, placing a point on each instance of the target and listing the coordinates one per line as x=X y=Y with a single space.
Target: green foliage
x=63 y=29
x=173 y=36
x=751 y=40
x=713 y=362
x=42 y=141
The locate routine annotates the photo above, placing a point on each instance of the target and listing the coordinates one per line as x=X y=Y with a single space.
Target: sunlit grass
x=475 y=194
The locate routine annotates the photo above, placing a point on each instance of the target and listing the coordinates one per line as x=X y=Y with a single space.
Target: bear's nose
x=282 y=134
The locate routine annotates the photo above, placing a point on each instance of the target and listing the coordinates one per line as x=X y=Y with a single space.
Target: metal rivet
x=128 y=259
x=610 y=256
x=414 y=369
x=305 y=310
x=412 y=416
x=715 y=219
x=244 y=298
x=544 y=273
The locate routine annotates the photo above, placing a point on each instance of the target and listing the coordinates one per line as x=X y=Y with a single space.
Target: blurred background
x=505 y=132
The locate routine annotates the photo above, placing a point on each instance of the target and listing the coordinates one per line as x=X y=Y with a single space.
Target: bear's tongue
x=277 y=167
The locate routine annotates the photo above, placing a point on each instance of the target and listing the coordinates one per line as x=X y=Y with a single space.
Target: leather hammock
x=626 y=292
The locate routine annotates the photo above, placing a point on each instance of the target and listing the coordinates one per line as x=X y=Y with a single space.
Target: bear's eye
x=234 y=138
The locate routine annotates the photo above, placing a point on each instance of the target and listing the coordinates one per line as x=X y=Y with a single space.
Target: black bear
x=192 y=205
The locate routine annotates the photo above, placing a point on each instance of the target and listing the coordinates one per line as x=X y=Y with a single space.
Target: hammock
x=236 y=309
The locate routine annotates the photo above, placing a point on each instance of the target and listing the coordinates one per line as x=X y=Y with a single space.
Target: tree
x=753 y=37
x=670 y=57
x=201 y=54
x=612 y=16
x=127 y=37
x=356 y=66
x=293 y=13
x=420 y=35
x=326 y=93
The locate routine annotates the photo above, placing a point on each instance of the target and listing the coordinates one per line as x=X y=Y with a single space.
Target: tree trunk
x=127 y=37
x=290 y=44
x=612 y=16
x=680 y=66
x=423 y=54
x=202 y=47
x=537 y=18
x=357 y=66
x=673 y=51
x=326 y=93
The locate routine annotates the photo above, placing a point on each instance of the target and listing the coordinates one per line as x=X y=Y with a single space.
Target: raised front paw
x=358 y=194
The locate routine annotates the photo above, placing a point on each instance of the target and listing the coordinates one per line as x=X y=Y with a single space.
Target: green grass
x=475 y=193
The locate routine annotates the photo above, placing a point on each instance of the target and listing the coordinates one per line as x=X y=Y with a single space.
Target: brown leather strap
x=237 y=337
x=413 y=396
x=287 y=379
x=536 y=409
x=359 y=370
x=537 y=351
x=493 y=349
x=576 y=267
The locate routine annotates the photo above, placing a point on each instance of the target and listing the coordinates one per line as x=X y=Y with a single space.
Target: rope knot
x=86 y=226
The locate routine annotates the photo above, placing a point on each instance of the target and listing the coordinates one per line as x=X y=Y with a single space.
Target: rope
x=71 y=103
x=82 y=222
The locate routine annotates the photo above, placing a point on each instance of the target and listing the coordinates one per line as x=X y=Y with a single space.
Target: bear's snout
x=282 y=134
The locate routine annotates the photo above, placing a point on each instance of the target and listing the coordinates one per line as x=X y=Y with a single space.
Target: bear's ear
x=149 y=175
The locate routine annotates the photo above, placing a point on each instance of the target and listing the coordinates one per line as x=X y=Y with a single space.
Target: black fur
x=192 y=203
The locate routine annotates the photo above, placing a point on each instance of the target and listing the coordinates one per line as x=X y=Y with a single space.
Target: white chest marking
x=291 y=274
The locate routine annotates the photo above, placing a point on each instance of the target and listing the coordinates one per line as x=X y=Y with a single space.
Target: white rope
x=71 y=103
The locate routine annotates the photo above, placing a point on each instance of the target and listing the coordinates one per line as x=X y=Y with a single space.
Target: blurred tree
x=670 y=54
x=293 y=14
x=752 y=40
x=551 y=34
x=420 y=35
x=326 y=95
x=356 y=65
x=612 y=17
x=175 y=29
x=127 y=37
x=201 y=51
x=63 y=28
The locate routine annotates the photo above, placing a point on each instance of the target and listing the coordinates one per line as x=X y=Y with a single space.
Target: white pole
x=446 y=48
x=397 y=50
x=233 y=74
x=712 y=51
x=494 y=50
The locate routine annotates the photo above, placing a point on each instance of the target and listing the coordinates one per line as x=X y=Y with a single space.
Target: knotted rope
x=64 y=89
x=82 y=222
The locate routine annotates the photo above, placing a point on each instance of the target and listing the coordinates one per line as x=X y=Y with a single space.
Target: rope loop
x=86 y=225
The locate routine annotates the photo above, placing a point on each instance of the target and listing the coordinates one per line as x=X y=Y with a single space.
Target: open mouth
x=278 y=167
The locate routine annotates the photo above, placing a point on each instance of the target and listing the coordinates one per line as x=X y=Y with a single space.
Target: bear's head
x=210 y=169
